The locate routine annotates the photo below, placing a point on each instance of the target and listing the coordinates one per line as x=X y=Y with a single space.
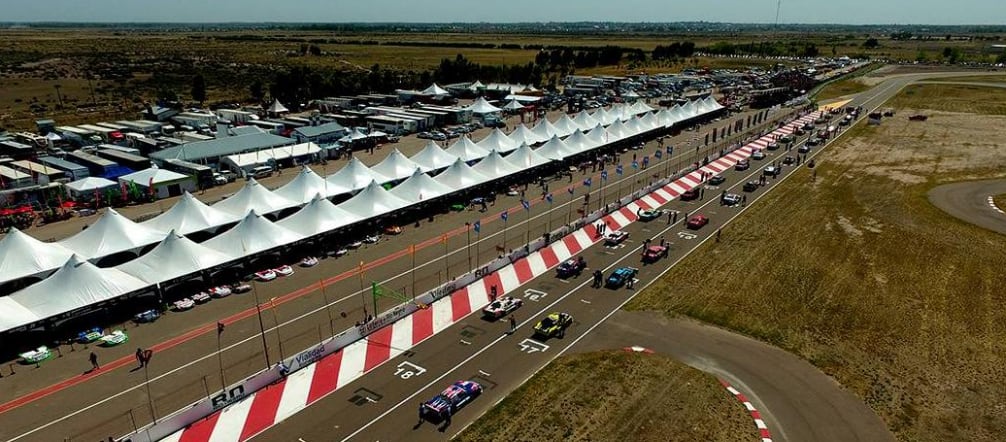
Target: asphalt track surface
x=95 y=405
x=970 y=202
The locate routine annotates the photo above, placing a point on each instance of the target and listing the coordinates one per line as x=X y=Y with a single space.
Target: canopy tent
x=317 y=217
x=355 y=135
x=621 y=110
x=598 y=136
x=709 y=105
x=26 y=256
x=639 y=108
x=373 y=201
x=271 y=155
x=690 y=109
x=252 y=235
x=305 y=186
x=666 y=118
x=112 y=233
x=189 y=215
x=433 y=157
x=460 y=176
x=254 y=197
x=176 y=256
x=498 y=141
x=476 y=86
x=523 y=135
x=482 y=107
x=565 y=126
x=544 y=130
x=579 y=142
x=435 y=90
x=354 y=176
x=14 y=315
x=495 y=166
x=153 y=175
x=556 y=149
x=277 y=108
x=467 y=150
x=75 y=285
x=649 y=121
x=617 y=131
x=513 y=106
x=630 y=95
x=584 y=121
x=395 y=166
x=526 y=158
x=604 y=117
x=420 y=187
x=633 y=127
x=85 y=186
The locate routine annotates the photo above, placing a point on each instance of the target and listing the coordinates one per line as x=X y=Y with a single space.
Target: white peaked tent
x=526 y=158
x=277 y=108
x=709 y=104
x=616 y=131
x=467 y=150
x=396 y=166
x=318 y=216
x=598 y=136
x=678 y=114
x=622 y=110
x=498 y=141
x=579 y=142
x=690 y=109
x=585 y=121
x=433 y=157
x=460 y=176
x=565 y=126
x=253 y=234
x=354 y=176
x=556 y=149
x=23 y=255
x=355 y=135
x=633 y=127
x=305 y=186
x=649 y=121
x=495 y=166
x=176 y=256
x=476 y=86
x=112 y=233
x=14 y=315
x=373 y=201
x=85 y=187
x=666 y=118
x=253 y=196
x=639 y=108
x=189 y=215
x=482 y=107
x=544 y=130
x=420 y=187
x=77 y=284
x=435 y=90
x=513 y=106
x=523 y=135
x=604 y=116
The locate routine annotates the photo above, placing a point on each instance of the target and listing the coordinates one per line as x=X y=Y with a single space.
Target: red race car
x=697 y=222
x=654 y=253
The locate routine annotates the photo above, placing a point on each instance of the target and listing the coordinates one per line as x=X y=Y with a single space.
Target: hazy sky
x=743 y=11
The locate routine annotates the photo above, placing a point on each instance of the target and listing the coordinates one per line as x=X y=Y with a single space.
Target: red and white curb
x=992 y=204
x=267 y=407
x=765 y=435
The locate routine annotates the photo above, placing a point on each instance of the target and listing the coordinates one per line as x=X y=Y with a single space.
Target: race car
x=731 y=199
x=265 y=275
x=804 y=148
x=502 y=307
x=283 y=270
x=242 y=288
x=222 y=291
x=448 y=402
x=571 y=267
x=309 y=261
x=772 y=146
x=115 y=338
x=146 y=316
x=354 y=245
x=751 y=186
x=742 y=165
x=649 y=215
x=788 y=161
x=342 y=251
x=620 y=276
x=615 y=238
x=201 y=297
x=554 y=324
x=35 y=356
x=392 y=230
x=717 y=180
x=183 y=304
x=758 y=155
x=697 y=222
x=654 y=253
x=89 y=336
x=771 y=171
x=786 y=138
x=371 y=239
x=691 y=194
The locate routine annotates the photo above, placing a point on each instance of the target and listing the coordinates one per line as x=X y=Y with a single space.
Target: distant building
x=212 y=151
x=321 y=134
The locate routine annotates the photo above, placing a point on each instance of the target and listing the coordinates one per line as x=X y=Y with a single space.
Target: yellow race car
x=554 y=324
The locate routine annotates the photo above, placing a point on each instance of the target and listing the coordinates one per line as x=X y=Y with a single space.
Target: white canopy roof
x=585 y=121
x=523 y=135
x=513 y=105
x=318 y=216
x=263 y=156
x=356 y=134
x=467 y=150
x=476 y=85
x=143 y=177
x=23 y=255
x=498 y=141
x=556 y=149
x=621 y=110
x=579 y=142
x=616 y=131
x=395 y=166
x=77 y=284
x=14 y=315
x=435 y=90
x=112 y=233
x=649 y=121
x=253 y=196
x=639 y=108
x=174 y=257
x=481 y=106
x=433 y=157
x=90 y=183
x=460 y=176
x=277 y=107
x=544 y=130
x=495 y=166
x=304 y=187
x=666 y=118
x=253 y=234
x=190 y=215
x=420 y=187
x=598 y=136
x=526 y=158
x=633 y=127
x=565 y=126
x=373 y=201
x=354 y=176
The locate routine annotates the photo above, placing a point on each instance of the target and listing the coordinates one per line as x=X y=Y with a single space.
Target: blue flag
x=604 y=175
x=618 y=169
x=646 y=161
x=658 y=154
x=526 y=204
x=670 y=150
x=587 y=182
x=548 y=197
x=504 y=216
x=477 y=226
x=635 y=165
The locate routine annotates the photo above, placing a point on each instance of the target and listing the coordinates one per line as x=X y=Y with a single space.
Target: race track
x=970 y=202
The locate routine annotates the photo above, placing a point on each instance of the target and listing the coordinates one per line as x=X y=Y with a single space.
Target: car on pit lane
x=555 y=324
x=571 y=267
x=283 y=270
x=697 y=222
x=751 y=186
x=690 y=195
x=502 y=307
x=449 y=401
x=717 y=180
x=265 y=275
x=654 y=253
x=771 y=171
x=803 y=149
x=758 y=155
x=146 y=316
x=788 y=161
x=201 y=297
x=772 y=146
x=742 y=165
x=620 y=276
x=649 y=215
x=615 y=238
x=731 y=199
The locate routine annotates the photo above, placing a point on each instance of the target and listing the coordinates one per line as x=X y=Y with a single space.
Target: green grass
x=952 y=98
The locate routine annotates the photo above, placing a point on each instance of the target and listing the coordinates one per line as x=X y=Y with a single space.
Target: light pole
x=363 y=296
x=468 y=246
x=261 y=325
x=275 y=319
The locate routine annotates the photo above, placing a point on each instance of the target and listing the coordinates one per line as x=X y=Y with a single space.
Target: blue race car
x=621 y=276
x=445 y=404
x=146 y=316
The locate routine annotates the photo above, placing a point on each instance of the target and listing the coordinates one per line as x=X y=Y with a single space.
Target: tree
x=256 y=91
x=199 y=88
x=871 y=43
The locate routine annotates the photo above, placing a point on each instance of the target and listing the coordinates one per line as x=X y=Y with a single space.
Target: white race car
x=184 y=304
x=115 y=338
x=35 y=356
x=201 y=297
x=371 y=239
x=265 y=275
x=221 y=291
x=310 y=261
x=342 y=251
x=242 y=288
x=354 y=245
x=284 y=270
x=615 y=238
x=502 y=307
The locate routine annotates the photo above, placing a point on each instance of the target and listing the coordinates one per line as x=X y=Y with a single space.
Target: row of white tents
x=78 y=283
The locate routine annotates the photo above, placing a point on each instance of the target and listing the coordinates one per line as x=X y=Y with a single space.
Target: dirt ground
x=861 y=276
x=615 y=395
x=1000 y=201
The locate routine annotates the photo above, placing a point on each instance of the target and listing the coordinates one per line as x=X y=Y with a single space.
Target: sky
x=937 y=12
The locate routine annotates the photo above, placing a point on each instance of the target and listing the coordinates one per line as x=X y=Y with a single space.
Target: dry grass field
x=609 y=396
x=841 y=88
x=858 y=273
